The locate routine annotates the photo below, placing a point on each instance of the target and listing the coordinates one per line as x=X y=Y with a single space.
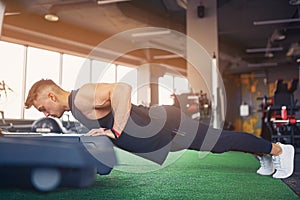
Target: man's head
x=46 y=97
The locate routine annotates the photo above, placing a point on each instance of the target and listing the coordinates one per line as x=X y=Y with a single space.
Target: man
x=152 y=133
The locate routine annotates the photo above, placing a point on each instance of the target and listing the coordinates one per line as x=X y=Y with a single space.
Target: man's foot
x=266 y=165
x=284 y=163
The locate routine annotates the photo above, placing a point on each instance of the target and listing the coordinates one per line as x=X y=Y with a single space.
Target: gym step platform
x=47 y=161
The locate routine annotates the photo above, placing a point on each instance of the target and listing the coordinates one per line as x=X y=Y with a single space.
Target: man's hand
x=100 y=132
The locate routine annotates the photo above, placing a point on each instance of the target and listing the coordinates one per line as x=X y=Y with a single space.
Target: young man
x=152 y=133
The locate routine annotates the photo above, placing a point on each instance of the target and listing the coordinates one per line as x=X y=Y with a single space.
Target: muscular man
x=152 y=133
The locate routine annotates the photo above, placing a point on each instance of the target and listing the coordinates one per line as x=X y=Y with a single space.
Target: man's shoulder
x=84 y=95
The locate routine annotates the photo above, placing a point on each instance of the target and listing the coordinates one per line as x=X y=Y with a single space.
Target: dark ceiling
x=248 y=29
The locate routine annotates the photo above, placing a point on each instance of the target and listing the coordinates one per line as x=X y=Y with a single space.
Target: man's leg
x=218 y=142
x=198 y=136
x=195 y=135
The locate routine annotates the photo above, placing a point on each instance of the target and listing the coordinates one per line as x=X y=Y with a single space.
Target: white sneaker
x=284 y=163
x=266 y=165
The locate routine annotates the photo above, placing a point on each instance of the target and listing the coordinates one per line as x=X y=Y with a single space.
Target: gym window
x=21 y=66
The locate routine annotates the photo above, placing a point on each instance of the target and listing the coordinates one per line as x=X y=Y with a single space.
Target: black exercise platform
x=48 y=161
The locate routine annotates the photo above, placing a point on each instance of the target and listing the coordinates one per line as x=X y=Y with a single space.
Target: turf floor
x=216 y=176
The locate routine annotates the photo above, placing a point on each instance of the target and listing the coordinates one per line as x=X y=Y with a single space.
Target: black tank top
x=147 y=134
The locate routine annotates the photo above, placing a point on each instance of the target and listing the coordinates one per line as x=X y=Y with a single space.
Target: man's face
x=49 y=105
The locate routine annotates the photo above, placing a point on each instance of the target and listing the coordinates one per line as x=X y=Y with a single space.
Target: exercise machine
x=280 y=122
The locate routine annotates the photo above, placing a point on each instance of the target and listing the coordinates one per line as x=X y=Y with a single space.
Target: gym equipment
x=195 y=105
x=46 y=125
x=266 y=127
x=47 y=161
x=279 y=115
x=43 y=125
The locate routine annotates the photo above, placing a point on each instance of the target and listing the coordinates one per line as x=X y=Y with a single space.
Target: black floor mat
x=294 y=182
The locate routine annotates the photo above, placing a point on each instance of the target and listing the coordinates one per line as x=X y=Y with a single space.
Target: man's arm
x=97 y=100
x=120 y=97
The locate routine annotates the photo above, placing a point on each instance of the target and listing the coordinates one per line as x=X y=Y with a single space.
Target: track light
x=294 y=49
x=269 y=55
x=278 y=35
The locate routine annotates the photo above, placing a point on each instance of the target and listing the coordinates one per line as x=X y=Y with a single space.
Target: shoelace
x=261 y=161
x=276 y=162
x=265 y=162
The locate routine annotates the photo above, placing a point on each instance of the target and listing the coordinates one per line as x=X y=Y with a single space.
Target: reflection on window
x=103 y=72
x=41 y=64
x=169 y=85
x=165 y=89
x=181 y=85
x=75 y=72
x=11 y=72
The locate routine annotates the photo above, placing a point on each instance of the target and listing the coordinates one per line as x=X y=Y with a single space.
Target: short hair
x=37 y=88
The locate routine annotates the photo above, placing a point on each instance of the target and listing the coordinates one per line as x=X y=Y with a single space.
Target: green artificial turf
x=216 y=176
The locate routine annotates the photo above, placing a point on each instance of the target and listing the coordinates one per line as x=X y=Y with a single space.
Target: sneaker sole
x=266 y=174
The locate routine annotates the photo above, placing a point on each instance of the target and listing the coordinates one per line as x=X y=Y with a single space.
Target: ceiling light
x=51 y=17
x=12 y=13
x=102 y=2
x=152 y=33
x=169 y=56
